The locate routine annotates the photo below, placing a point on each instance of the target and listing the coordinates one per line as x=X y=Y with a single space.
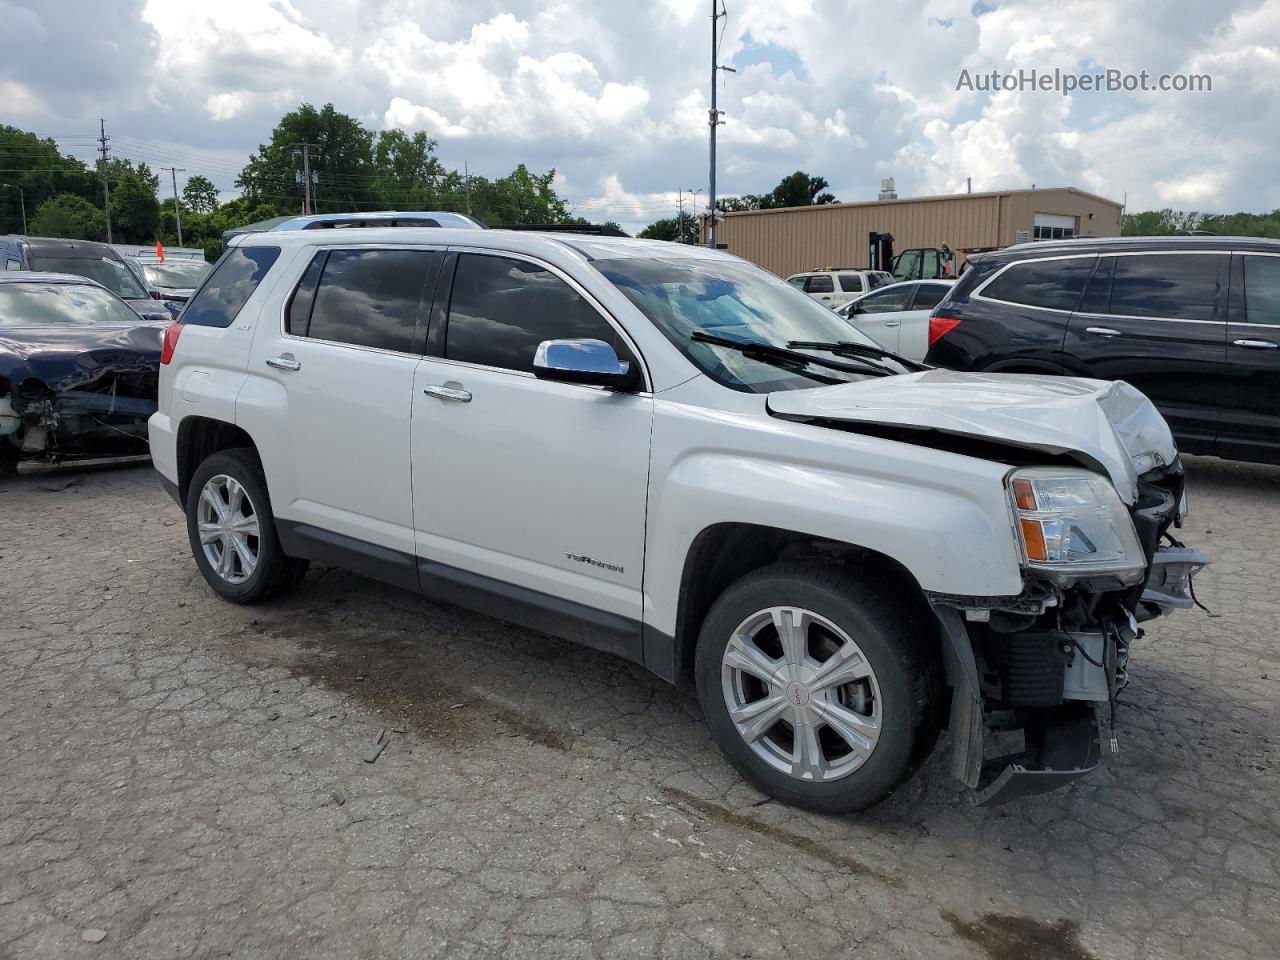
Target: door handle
x=1257 y=344
x=892 y=323
x=1103 y=331
x=284 y=363
x=442 y=392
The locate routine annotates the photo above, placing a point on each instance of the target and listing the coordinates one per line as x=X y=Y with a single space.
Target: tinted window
x=57 y=304
x=881 y=279
x=176 y=274
x=1098 y=295
x=1183 y=286
x=502 y=308
x=112 y=274
x=1056 y=284
x=820 y=284
x=850 y=283
x=232 y=282
x=299 y=314
x=1262 y=289
x=928 y=295
x=797 y=282
x=885 y=301
x=371 y=298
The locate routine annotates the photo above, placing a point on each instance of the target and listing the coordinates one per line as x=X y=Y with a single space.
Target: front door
x=1251 y=414
x=1157 y=321
x=332 y=384
x=528 y=491
x=879 y=314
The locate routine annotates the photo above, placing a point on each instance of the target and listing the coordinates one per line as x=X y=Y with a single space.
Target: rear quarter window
x=229 y=286
x=1050 y=284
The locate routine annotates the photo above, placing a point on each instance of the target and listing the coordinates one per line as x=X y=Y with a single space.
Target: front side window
x=234 y=278
x=820 y=284
x=60 y=304
x=1262 y=289
x=1178 y=286
x=368 y=298
x=1051 y=284
x=850 y=283
x=112 y=274
x=501 y=308
x=735 y=301
x=885 y=301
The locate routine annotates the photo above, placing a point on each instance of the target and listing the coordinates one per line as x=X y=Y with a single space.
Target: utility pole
x=305 y=149
x=713 y=117
x=22 y=202
x=103 y=149
x=680 y=220
x=177 y=207
x=466 y=179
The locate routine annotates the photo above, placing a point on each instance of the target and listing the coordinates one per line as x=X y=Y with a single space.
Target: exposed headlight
x=1072 y=522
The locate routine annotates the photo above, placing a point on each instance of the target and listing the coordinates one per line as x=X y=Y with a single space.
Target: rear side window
x=821 y=283
x=232 y=282
x=928 y=296
x=502 y=308
x=850 y=283
x=369 y=298
x=1052 y=284
x=1262 y=289
x=1180 y=286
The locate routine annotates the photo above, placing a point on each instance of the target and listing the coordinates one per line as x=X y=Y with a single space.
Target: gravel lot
x=186 y=777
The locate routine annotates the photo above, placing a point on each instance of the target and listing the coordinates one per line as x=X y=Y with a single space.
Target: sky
x=614 y=95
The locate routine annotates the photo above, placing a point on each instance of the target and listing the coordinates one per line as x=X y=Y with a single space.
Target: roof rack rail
x=590 y=229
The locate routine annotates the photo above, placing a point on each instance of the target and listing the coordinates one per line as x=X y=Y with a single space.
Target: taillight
x=171 y=334
x=940 y=326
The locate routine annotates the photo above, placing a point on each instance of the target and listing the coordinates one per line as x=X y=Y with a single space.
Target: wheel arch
x=201 y=437
x=724 y=552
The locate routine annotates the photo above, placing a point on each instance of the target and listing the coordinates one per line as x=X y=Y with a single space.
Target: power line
x=106 y=190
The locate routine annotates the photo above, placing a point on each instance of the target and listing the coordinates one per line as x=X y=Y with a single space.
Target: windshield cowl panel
x=735 y=301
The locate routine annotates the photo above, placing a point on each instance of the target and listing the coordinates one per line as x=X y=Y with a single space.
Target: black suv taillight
x=941 y=322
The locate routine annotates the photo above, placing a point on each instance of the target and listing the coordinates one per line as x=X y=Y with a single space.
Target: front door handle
x=892 y=323
x=1103 y=331
x=442 y=392
x=1257 y=344
x=284 y=363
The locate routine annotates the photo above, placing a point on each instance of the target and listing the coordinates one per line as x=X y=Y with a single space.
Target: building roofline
x=929 y=199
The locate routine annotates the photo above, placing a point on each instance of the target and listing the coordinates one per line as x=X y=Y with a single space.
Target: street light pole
x=22 y=202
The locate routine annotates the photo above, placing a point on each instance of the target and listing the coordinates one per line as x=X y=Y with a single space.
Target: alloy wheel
x=228 y=526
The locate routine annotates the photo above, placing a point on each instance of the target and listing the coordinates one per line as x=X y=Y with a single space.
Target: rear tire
x=854 y=682
x=232 y=530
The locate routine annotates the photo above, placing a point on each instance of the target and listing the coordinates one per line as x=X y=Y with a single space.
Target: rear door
x=1157 y=321
x=913 y=332
x=821 y=287
x=331 y=393
x=1250 y=428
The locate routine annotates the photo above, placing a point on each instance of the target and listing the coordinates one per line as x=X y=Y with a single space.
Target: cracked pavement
x=186 y=776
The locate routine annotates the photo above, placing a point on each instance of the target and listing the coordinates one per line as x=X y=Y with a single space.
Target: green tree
x=35 y=166
x=682 y=228
x=68 y=215
x=135 y=210
x=747 y=201
x=199 y=194
x=799 y=190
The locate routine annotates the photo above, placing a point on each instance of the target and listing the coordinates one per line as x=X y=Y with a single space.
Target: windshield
x=735 y=301
x=112 y=274
x=60 y=304
x=176 y=274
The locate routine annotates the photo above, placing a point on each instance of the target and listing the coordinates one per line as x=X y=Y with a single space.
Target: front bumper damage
x=1052 y=662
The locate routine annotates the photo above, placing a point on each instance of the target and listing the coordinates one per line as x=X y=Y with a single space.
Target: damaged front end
x=71 y=396
x=1051 y=662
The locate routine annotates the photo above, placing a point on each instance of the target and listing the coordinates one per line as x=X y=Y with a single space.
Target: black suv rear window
x=1053 y=284
x=231 y=283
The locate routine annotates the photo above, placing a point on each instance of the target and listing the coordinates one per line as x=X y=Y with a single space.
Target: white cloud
x=18 y=98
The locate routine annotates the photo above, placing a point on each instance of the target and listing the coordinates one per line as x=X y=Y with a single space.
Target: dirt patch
x=797 y=841
x=1006 y=937
x=408 y=689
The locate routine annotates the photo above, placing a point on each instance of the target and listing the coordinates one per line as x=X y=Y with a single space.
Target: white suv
x=836 y=287
x=669 y=454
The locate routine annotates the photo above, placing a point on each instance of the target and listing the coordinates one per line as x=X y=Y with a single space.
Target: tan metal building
x=793 y=239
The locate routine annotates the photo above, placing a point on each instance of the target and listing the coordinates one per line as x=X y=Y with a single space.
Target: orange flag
x=160 y=251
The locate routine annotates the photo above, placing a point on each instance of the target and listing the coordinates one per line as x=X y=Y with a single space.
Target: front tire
x=233 y=531
x=818 y=685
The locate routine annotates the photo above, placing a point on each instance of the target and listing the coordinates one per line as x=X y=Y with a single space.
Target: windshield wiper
x=850 y=349
x=782 y=357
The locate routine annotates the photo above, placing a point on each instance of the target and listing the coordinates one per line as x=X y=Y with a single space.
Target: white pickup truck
x=666 y=453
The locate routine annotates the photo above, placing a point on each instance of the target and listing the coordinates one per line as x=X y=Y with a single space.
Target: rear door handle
x=284 y=363
x=442 y=392
x=1103 y=331
x=1257 y=344
x=892 y=323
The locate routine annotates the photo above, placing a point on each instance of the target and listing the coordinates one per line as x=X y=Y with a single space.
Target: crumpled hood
x=1107 y=423
x=66 y=357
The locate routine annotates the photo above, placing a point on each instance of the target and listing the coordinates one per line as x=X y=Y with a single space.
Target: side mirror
x=591 y=362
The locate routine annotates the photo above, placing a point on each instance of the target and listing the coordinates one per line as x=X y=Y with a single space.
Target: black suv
x=1192 y=322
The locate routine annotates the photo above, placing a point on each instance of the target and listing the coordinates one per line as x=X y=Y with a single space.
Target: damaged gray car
x=78 y=372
